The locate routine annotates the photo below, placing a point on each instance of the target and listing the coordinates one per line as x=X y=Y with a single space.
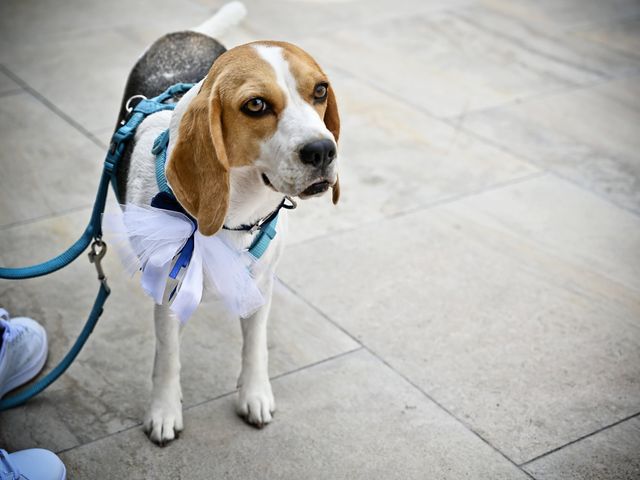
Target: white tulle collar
x=175 y=259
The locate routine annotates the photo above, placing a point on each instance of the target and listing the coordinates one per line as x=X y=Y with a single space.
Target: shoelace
x=10 y=331
x=12 y=473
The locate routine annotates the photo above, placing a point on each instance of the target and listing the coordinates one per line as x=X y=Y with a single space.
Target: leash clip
x=96 y=254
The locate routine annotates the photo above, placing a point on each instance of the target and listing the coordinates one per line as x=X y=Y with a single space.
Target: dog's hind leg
x=255 y=397
x=163 y=420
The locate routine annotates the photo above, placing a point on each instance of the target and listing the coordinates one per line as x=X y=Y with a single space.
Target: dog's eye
x=255 y=106
x=320 y=92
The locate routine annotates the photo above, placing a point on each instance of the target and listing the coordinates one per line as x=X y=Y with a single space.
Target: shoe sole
x=30 y=371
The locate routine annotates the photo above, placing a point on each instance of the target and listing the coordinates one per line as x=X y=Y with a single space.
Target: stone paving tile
x=613 y=454
x=589 y=136
x=565 y=221
x=47 y=166
x=107 y=387
x=531 y=350
x=453 y=62
x=394 y=159
x=350 y=418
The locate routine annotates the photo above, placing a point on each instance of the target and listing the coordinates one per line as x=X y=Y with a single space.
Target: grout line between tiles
x=65 y=450
x=454 y=198
x=503 y=36
x=555 y=173
x=218 y=397
x=556 y=92
x=429 y=205
x=405 y=378
x=52 y=107
x=320 y=312
x=280 y=375
x=579 y=439
x=284 y=374
x=139 y=424
x=448 y=412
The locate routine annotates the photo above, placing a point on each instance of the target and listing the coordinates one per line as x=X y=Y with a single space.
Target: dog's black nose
x=318 y=153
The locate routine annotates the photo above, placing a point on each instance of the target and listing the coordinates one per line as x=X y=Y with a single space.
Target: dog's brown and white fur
x=227 y=167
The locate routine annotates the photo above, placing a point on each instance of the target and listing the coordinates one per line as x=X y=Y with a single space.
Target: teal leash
x=91 y=235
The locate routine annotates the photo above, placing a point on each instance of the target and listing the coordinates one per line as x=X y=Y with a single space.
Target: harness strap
x=265 y=235
x=160 y=151
x=144 y=108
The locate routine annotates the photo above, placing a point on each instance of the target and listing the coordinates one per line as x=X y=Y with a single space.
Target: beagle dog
x=260 y=124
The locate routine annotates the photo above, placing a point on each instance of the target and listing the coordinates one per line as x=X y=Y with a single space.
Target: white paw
x=163 y=420
x=256 y=403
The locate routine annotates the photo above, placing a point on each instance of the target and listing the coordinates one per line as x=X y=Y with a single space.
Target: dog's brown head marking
x=267 y=105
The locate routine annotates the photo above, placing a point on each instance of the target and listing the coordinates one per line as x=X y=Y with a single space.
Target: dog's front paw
x=163 y=420
x=256 y=403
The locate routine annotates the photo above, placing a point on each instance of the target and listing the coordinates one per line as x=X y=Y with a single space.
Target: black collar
x=256 y=225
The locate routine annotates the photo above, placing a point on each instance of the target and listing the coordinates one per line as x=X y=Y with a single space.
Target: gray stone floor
x=470 y=310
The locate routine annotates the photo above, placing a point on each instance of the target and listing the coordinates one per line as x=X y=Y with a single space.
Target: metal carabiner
x=96 y=254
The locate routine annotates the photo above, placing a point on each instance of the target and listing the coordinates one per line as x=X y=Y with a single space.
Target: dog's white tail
x=229 y=15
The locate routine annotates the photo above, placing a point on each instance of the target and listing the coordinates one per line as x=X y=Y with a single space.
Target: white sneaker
x=23 y=351
x=32 y=464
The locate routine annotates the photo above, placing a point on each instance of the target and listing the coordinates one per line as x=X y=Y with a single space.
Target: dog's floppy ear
x=332 y=122
x=331 y=117
x=198 y=169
